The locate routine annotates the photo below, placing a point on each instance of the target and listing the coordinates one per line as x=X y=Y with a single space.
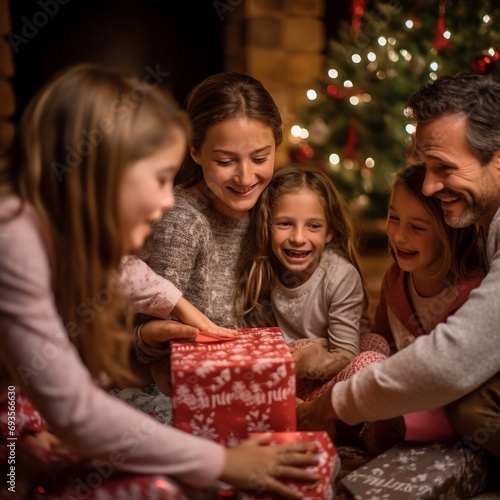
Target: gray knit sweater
x=198 y=249
x=453 y=360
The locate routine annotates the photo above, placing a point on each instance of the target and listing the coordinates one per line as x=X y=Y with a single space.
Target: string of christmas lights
x=354 y=127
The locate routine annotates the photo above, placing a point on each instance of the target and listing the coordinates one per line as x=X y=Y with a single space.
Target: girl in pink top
x=91 y=168
x=436 y=267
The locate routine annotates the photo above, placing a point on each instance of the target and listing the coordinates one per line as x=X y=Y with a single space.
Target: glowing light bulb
x=311 y=94
x=334 y=159
x=371 y=56
x=409 y=24
x=333 y=73
x=296 y=130
x=410 y=128
x=356 y=58
x=382 y=41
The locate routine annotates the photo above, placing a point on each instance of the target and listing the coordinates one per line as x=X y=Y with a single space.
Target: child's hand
x=313 y=361
x=307 y=353
x=185 y=311
x=300 y=359
x=47 y=441
x=251 y=466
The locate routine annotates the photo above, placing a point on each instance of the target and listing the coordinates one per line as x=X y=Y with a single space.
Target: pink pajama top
x=47 y=368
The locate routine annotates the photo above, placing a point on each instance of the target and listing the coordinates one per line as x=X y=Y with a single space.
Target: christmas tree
x=355 y=127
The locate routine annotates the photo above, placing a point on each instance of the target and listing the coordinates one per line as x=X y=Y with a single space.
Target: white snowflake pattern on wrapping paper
x=201 y=425
x=184 y=396
x=232 y=439
x=256 y=421
x=409 y=467
x=442 y=465
x=200 y=393
x=239 y=386
x=205 y=370
x=220 y=380
x=34 y=418
x=407 y=462
x=242 y=393
x=329 y=492
x=376 y=494
x=276 y=376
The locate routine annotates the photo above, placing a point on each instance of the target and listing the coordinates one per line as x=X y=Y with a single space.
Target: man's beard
x=474 y=210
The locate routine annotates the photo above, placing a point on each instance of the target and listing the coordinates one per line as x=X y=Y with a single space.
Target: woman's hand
x=158 y=331
x=187 y=313
x=252 y=466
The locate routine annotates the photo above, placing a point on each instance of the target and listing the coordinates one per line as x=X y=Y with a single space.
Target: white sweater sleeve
x=453 y=360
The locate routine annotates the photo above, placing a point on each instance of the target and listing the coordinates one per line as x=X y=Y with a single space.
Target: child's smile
x=300 y=233
x=412 y=234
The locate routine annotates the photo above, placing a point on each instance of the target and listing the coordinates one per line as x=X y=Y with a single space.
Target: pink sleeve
x=36 y=351
x=146 y=291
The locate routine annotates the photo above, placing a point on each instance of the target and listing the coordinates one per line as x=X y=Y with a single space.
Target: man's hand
x=318 y=415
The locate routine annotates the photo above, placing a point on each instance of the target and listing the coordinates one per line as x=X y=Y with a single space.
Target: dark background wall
x=183 y=38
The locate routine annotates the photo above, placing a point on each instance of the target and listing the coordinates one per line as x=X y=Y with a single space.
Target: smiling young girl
x=436 y=267
x=302 y=274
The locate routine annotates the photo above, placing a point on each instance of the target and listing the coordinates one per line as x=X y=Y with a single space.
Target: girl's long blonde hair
x=72 y=147
x=259 y=269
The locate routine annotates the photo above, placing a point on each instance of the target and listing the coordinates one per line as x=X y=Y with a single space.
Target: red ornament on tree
x=486 y=61
x=303 y=153
x=357 y=10
x=440 y=42
x=352 y=139
x=482 y=64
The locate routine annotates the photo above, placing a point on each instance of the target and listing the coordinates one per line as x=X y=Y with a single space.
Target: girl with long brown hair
x=91 y=169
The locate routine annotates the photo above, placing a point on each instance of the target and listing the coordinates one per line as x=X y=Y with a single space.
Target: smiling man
x=458 y=364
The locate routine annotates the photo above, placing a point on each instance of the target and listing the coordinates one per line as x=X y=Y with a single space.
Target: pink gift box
x=328 y=468
x=224 y=390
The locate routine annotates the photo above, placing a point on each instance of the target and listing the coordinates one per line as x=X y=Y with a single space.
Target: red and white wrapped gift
x=328 y=468
x=224 y=390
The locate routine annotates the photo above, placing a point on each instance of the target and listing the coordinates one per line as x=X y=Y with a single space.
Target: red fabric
x=359 y=362
x=393 y=293
x=27 y=418
x=44 y=474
